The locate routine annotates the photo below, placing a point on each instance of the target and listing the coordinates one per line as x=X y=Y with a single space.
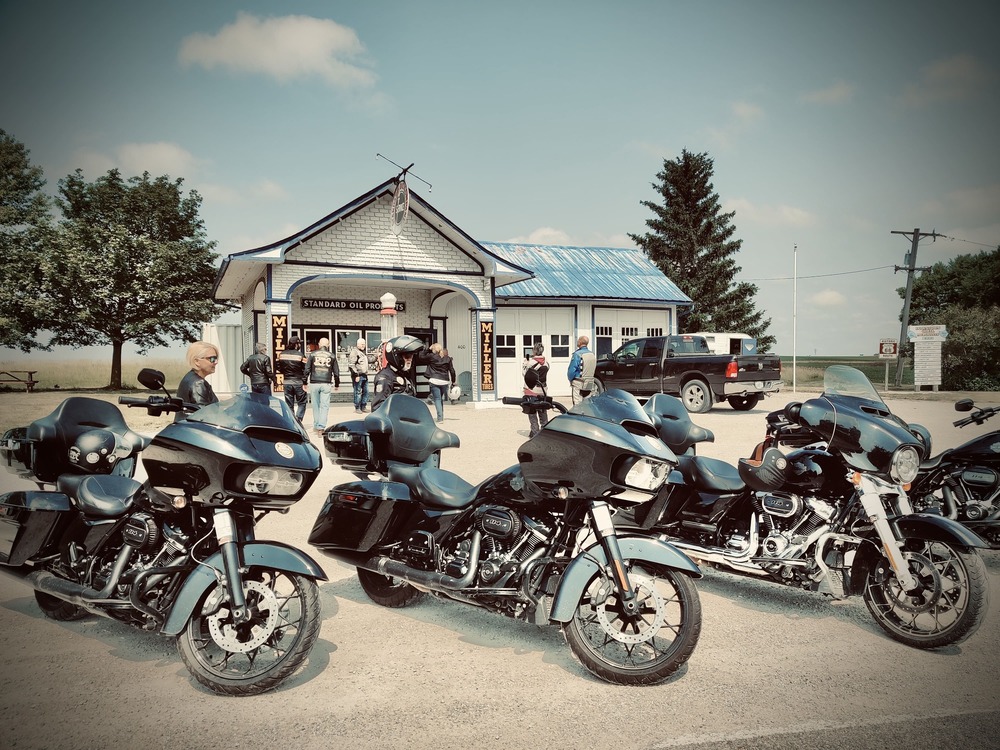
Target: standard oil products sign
x=313 y=303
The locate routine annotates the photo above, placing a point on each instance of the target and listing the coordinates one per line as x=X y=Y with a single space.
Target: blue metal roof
x=586 y=272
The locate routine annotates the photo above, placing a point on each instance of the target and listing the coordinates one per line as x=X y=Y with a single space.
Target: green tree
x=963 y=295
x=25 y=221
x=129 y=262
x=691 y=241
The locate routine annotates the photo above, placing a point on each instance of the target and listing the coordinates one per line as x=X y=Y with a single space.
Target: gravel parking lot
x=774 y=668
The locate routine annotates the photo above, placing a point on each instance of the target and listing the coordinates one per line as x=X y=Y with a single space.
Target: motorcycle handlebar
x=536 y=401
x=157 y=403
x=980 y=416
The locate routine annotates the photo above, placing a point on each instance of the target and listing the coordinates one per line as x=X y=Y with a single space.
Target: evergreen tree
x=691 y=241
x=25 y=220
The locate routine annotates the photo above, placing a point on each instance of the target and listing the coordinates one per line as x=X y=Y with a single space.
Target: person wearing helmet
x=399 y=372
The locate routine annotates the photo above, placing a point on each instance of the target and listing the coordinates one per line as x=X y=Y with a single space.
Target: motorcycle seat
x=436 y=487
x=711 y=474
x=935 y=461
x=100 y=495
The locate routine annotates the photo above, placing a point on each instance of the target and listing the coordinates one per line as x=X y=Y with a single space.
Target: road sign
x=888 y=348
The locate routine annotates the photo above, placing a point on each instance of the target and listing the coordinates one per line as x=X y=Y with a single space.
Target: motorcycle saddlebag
x=360 y=515
x=15 y=452
x=347 y=444
x=29 y=523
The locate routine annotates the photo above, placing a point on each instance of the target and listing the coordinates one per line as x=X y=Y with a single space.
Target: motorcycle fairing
x=933 y=528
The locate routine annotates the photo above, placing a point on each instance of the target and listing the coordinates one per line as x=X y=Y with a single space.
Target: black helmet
x=94 y=452
x=765 y=471
x=397 y=347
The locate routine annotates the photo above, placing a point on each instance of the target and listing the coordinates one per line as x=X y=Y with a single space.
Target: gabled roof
x=240 y=269
x=586 y=272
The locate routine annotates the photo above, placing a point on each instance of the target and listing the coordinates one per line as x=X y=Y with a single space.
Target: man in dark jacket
x=292 y=366
x=322 y=368
x=258 y=368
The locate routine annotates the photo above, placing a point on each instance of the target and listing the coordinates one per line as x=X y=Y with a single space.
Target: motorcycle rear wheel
x=57 y=609
x=254 y=657
x=388 y=591
x=949 y=604
x=645 y=650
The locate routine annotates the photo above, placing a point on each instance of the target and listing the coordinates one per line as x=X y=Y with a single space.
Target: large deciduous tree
x=691 y=241
x=129 y=262
x=963 y=295
x=25 y=220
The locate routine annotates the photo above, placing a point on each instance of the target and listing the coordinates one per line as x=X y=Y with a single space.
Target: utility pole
x=910 y=260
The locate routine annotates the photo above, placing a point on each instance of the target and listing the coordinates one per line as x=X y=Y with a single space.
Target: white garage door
x=517 y=330
x=613 y=327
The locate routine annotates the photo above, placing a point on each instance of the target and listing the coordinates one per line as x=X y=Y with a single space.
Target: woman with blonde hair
x=203 y=358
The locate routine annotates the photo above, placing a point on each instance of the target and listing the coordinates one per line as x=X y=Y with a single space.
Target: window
x=602 y=331
x=528 y=341
x=630 y=332
x=654 y=331
x=506 y=346
x=559 y=345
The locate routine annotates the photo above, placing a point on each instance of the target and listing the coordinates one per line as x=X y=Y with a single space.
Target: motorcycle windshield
x=841 y=380
x=247 y=410
x=613 y=405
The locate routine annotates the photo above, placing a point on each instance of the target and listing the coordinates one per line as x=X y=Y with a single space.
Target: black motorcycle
x=535 y=542
x=963 y=483
x=176 y=554
x=830 y=516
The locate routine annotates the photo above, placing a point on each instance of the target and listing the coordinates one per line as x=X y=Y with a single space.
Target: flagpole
x=795 y=311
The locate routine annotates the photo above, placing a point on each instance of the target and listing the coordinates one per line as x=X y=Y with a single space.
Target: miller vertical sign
x=486 y=360
x=279 y=339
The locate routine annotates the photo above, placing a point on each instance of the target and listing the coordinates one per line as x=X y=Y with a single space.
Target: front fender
x=934 y=528
x=638 y=549
x=275 y=555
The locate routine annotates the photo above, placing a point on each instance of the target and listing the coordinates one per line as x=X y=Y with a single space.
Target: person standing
x=322 y=368
x=193 y=388
x=292 y=366
x=535 y=388
x=398 y=374
x=440 y=373
x=581 y=370
x=357 y=365
x=257 y=367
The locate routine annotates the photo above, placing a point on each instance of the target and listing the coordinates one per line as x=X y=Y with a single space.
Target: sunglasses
x=213 y=360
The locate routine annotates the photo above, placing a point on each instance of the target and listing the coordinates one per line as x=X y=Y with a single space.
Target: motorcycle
x=176 y=554
x=831 y=516
x=534 y=542
x=963 y=483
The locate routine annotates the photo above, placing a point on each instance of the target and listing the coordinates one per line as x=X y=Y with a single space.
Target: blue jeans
x=320 y=393
x=296 y=398
x=360 y=391
x=438 y=395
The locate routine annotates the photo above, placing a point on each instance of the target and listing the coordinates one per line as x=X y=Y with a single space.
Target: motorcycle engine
x=787 y=521
x=509 y=538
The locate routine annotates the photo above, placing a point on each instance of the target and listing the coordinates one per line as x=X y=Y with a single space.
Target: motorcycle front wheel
x=948 y=605
x=255 y=656
x=644 y=649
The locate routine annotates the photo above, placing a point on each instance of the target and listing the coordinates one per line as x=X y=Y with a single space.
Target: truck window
x=629 y=350
x=652 y=349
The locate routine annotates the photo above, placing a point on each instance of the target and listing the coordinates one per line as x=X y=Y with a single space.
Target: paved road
x=775 y=668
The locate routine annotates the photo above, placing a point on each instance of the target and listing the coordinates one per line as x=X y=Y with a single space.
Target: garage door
x=517 y=330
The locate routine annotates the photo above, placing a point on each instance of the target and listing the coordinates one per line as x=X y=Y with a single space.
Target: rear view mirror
x=964 y=405
x=151 y=379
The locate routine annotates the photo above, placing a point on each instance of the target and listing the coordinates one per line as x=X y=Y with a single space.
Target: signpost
x=927 y=342
x=887 y=349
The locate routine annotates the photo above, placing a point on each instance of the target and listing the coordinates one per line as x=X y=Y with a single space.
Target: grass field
x=809 y=370
x=88 y=374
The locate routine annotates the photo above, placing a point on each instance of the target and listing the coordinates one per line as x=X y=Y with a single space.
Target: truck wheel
x=598 y=388
x=697 y=397
x=744 y=403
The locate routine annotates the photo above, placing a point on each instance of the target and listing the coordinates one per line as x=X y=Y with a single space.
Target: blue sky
x=830 y=124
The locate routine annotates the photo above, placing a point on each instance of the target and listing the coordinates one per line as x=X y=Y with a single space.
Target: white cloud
x=951 y=79
x=780 y=215
x=975 y=202
x=828 y=298
x=543 y=236
x=744 y=115
x=835 y=94
x=284 y=48
x=132 y=159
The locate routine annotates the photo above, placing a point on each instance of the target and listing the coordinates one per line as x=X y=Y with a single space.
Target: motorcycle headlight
x=905 y=464
x=647 y=475
x=267 y=480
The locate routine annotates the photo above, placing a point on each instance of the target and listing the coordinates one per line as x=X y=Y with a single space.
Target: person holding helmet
x=400 y=369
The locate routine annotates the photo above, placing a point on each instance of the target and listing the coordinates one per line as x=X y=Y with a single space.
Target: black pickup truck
x=684 y=366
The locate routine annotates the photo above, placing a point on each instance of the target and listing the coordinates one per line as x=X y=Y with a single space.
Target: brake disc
x=247 y=636
x=611 y=618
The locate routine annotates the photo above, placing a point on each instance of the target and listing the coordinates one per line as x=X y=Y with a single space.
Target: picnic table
x=21 y=377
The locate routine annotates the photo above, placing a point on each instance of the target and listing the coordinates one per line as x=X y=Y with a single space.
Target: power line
x=823 y=275
x=970 y=242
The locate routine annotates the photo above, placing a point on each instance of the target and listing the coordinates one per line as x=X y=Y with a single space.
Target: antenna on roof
x=406 y=170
